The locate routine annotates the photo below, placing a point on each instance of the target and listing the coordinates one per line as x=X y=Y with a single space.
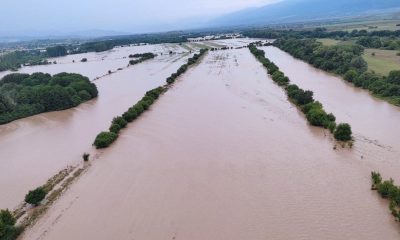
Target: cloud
x=121 y=15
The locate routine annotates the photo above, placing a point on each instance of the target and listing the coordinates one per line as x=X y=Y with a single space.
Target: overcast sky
x=30 y=16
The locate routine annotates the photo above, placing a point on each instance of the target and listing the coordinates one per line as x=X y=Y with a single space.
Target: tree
x=343 y=132
x=394 y=77
x=105 y=139
x=56 y=51
x=35 y=196
x=6 y=217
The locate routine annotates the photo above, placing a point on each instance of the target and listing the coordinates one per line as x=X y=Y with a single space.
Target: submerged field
x=224 y=155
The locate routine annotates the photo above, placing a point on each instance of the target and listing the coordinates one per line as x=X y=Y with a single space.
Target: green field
x=328 y=41
x=383 y=62
x=333 y=42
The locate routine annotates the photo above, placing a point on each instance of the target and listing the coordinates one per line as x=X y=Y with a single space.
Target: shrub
x=85 y=157
x=34 y=197
x=317 y=117
x=115 y=128
x=120 y=121
x=376 y=178
x=130 y=115
x=105 y=139
x=84 y=60
x=343 y=132
x=6 y=218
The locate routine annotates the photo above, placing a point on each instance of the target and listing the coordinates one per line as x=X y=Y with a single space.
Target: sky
x=129 y=16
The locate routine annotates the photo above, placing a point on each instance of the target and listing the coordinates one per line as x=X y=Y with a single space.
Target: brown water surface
x=375 y=123
x=224 y=155
x=35 y=148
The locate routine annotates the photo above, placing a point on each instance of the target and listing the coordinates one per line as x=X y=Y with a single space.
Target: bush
x=120 y=121
x=34 y=197
x=105 y=139
x=6 y=218
x=115 y=128
x=85 y=157
x=343 y=132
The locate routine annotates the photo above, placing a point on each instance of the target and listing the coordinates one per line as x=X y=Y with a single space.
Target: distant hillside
x=299 y=10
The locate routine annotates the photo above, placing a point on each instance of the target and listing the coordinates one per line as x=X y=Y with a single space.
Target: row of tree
x=105 y=139
x=23 y=95
x=388 y=190
x=318 y=33
x=140 y=57
x=347 y=61
x=313 y=110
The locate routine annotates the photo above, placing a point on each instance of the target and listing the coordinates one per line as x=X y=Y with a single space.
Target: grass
x=328 y=41
x=369 y=25
x=334 y=42
x=383 y=62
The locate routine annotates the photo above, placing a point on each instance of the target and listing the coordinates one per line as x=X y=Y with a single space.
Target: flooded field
x=224 y=155
x=35 y=148
x=374 y=122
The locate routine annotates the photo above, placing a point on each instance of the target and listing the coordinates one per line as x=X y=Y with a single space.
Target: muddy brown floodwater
x=35 y=148
x=375 y=123
x=222 y=155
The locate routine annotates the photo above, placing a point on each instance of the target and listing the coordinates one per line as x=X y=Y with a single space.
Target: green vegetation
x=23 y=95
x=34 y=197
x=381 y=61
x=388 y=190
x=141 y=57
x=184 y=67
x=157 y=38
x=328 y=41
x=345 y=60
x=343 y=132
x=105 y=139
x=8 y=230
x=85 y=157
x=14 y=60
x=313 y=110
x=56 y=51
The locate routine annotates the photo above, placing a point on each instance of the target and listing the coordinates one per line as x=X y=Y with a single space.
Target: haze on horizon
x=27 y=17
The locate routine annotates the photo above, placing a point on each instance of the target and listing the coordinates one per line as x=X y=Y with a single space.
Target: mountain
x=304 y=10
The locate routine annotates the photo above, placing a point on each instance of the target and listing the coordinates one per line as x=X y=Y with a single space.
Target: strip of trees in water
x=105 y=139
x=345 y=60
x=141 y=57
x=23 y=95
x=314 y=111
x=388 y=190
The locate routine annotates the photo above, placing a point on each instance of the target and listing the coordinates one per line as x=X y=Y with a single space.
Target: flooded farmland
x=224 y=155
x=374 y=121
x=35 y=148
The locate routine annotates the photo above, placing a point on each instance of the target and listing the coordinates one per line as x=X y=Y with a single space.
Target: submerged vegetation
x=141 y=57
x=313 y=110
x=388 y=190
x=105 y=139
x=23 y=95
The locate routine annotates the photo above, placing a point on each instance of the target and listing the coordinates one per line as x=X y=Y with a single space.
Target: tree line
x=314 y=111
x=345 y=60
x=14 y=60
x=388 y=190
x=140 y=57
x=106 y=138
x=23 y=95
